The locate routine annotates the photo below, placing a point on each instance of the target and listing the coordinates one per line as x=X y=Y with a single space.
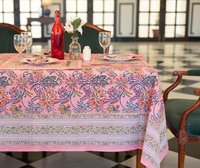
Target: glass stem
x=28 y=50
x=104 y=52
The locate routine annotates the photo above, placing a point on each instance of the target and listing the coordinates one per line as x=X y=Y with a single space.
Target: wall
x=194 y=21
x=126 y=18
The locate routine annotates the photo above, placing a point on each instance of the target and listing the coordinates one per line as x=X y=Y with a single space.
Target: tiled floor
x=165 y=58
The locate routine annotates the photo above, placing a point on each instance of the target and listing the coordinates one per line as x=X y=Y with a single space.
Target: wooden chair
x=183 y=115
x=90 y=37
x=7 y=32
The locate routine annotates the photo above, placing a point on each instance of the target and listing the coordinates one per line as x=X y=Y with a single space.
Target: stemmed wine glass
x=29 y=40
x=19 y=43
x=104 y=40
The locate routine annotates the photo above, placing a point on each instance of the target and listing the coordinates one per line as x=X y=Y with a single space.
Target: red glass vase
x=57 y=38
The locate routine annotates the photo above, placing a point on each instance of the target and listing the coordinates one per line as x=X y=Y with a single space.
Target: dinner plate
x=119 y=57
x=38 y=61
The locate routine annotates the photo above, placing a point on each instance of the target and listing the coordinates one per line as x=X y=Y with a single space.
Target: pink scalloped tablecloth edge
x=71 y=148
x=81 y=148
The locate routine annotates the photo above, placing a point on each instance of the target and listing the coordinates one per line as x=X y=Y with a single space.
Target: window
x=7 y=11
x=30 y=8
x=149 y=11
x=175 y=22
x=76 y=8
x=103 y=14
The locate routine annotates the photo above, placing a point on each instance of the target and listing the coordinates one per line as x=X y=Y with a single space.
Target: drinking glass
x=104 y=40
x=29 y=41
x=19 y=43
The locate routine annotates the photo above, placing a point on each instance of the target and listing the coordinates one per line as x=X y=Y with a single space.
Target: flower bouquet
x=74 y=26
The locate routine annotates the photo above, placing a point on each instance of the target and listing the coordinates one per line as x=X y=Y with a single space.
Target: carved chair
x=90 y=37
x=7 y=32
x=183 y=115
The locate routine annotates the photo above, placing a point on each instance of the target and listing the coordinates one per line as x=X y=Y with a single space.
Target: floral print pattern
x=46 y=91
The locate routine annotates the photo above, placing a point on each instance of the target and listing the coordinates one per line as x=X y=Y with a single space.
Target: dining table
x=106 y=104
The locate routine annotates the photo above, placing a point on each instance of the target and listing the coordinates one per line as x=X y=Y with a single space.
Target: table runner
x=96 y=106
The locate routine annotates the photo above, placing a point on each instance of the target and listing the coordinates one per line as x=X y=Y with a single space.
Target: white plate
x=36 y=61
x=119 y=57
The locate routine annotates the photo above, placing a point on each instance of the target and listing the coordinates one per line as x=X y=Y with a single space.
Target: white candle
x=86 y=53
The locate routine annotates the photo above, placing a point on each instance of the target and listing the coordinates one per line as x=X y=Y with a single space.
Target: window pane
x=83 y=16
x=170 y=5
x=24 y=5
x=9 y=18
x=180 y=31
x=143 y=18
x=75 y=9
x=1 y=6
x=180 y=18
x=35 y=23
x=97 y=5
x=8 y=6
x=169 y=31
x=108 y=18
x=154 y=18
x=71 y=5
x=181 y=5
x=23 y=18
x=35 y=15
x=144 y=5
x=155 y=5
x=35 y=5
x=98 y=18
x=70 y=16
x=143 y=31
x=1 y=17
x=170 y=18
x=109 y=5
x=82 y=6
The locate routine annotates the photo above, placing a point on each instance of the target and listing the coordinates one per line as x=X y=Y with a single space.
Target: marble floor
x=165 y=57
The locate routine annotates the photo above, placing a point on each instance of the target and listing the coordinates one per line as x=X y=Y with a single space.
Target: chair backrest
x=7 y=32
x=90 y=37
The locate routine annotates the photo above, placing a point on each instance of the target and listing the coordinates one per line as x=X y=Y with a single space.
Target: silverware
x=68 y=63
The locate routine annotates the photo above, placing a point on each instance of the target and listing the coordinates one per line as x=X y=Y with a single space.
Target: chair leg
x=181 y=155
x=128 y=154
x=44 y=154
x=138 y=163
x=9 y=153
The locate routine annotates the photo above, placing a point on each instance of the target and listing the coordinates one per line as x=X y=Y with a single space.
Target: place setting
x=22 y=43
x=120 y=57
x=104 y=41
x=38 y=60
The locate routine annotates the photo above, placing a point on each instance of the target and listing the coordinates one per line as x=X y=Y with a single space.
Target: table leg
x=25 y=157
x=138 y=163
x=117 y=156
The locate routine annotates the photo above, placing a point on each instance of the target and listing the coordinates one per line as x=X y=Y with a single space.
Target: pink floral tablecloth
x=96 y=106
